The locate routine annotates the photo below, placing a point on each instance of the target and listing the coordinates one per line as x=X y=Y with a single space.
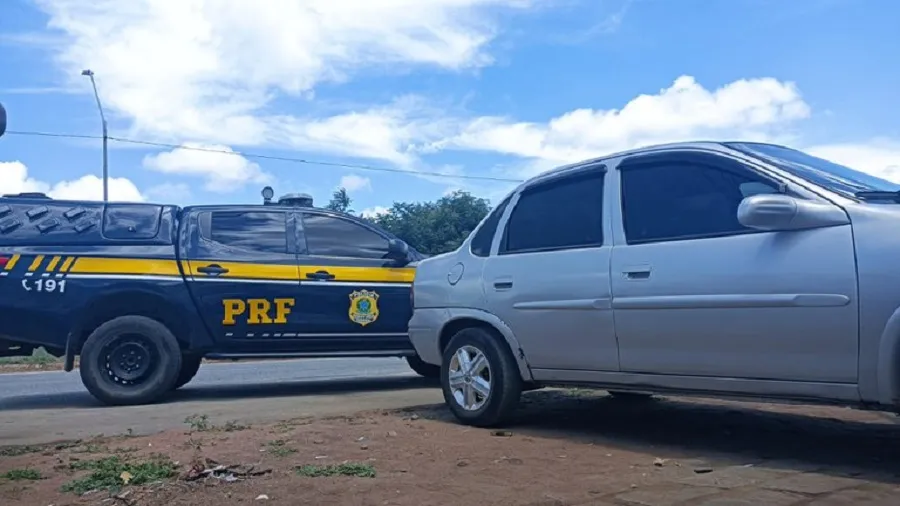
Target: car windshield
x=829 y=175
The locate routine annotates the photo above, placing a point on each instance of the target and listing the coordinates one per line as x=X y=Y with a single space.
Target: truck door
x=355 y=300
x=242 y=271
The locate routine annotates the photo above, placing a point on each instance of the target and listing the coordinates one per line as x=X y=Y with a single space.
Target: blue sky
x=489 y=88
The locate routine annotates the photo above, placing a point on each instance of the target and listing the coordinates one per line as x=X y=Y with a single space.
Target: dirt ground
x=564 y=448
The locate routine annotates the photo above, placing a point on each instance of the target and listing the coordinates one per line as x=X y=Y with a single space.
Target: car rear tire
x=422 y=368
x=189 y=366
x=479 y=378
x=130 y=360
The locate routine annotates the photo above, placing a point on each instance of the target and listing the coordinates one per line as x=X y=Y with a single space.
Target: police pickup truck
x=142 y=292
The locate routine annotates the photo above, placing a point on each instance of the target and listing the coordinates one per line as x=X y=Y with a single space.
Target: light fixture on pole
x=90 y=74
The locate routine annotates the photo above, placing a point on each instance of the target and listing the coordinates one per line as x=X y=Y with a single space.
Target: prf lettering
x=257 y=311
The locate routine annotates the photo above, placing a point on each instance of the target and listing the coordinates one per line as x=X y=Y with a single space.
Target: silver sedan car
x=729 y=269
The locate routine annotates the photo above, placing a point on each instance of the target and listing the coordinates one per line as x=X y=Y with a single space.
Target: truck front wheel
x=130 y=360
x=190 y=364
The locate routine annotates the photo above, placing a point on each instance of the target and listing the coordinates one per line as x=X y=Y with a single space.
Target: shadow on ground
x=231 y=392
x=681 y=429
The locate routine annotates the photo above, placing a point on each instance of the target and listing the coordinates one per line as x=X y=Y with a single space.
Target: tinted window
x=681 y=200
x=481 y=243
x=335 y=237
x=250 y=230
x=558 y=215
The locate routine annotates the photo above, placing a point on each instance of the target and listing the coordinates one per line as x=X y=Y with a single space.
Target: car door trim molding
x=574 y=304
x=731 y=301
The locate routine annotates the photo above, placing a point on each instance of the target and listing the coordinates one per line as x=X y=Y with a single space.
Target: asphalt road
x=39 y=407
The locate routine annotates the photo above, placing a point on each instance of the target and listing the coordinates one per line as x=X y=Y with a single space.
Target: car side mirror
x=398 y=251
x=2 y=120
x=774 y=212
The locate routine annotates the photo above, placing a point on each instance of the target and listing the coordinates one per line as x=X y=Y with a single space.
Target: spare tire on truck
x=130 y=360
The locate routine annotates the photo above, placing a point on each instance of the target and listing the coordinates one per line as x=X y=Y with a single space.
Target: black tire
x=109 y=355
x=189 y=366
x=630 y=396
x=506 y=383
x=423 y=369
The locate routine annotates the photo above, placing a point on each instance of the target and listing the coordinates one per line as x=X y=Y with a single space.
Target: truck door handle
x=320 y=275
x=212 y=269
x=503 y=285
x=637 y=272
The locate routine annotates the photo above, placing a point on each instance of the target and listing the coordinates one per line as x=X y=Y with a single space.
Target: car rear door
x=241 y=266
x=355 y=300
x=549 y=278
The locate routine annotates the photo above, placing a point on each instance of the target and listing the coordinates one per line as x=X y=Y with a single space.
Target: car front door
x=242 y=271
x=695 y=293
x=355 y=299
x=548 y=276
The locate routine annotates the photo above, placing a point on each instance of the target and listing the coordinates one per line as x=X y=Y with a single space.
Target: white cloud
x=757 y=109
x=375 y=211
x=170 y=193
x=14 y=178
x=352 y=183
x=877 y=157
x=221 y=169
x=207 y=69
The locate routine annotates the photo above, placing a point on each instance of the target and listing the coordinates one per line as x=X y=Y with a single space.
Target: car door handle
x=503 y=285
x=212 y=269
x=320 y=275
x=637 y=272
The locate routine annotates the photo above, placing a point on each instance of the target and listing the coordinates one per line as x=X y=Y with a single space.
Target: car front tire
x=479 y=378
x=130 y=360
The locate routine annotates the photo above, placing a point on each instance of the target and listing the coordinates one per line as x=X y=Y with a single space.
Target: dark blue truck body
x=254 y=281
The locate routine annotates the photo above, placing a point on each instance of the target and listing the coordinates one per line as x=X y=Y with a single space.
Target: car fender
x=460 y=313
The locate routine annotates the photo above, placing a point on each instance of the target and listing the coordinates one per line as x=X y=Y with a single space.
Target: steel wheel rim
x=128 y=360
x=470 y=378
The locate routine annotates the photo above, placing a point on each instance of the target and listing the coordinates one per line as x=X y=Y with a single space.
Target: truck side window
x=561 y=214
x=481 y=243
x=336 y=237
x=250 y=230
x=683 y=200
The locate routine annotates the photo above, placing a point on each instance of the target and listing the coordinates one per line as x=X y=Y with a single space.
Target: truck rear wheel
x=189 y=366
x=130 y=360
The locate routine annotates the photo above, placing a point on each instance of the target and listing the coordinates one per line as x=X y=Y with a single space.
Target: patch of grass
x=355 y=469
x=198 y=423
x=279 y=448
x=22 y=474
x=234 y=426
x=111 y=473
x=37 y=357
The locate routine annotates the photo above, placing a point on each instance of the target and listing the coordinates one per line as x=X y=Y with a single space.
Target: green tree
x=340 y=201
x=435 y=227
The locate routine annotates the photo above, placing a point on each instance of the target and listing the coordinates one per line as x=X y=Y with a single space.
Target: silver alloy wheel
x=470 y=378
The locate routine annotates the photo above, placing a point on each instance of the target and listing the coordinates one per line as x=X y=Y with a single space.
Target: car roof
x=721 y=146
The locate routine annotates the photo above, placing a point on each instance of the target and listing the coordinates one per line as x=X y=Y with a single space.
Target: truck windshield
x=829 y=175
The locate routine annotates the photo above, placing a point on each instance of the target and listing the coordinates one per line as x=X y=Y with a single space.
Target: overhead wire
x=260 y=156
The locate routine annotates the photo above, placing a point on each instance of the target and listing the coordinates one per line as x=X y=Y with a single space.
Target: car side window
x=337 y=237
x=484 y=238
x=680 y=199
x=561 y=214
x=249 y=230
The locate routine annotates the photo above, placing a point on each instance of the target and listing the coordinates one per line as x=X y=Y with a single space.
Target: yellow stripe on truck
x=363 y=274
x=247 y=270
x=36 y=263
x=12 y=262
x=52 y=265
x=138 y=266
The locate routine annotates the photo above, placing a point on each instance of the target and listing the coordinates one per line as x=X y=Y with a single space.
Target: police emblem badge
x=363 y=307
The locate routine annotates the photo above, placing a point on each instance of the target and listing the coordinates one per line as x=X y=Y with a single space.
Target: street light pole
x=90 y=75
